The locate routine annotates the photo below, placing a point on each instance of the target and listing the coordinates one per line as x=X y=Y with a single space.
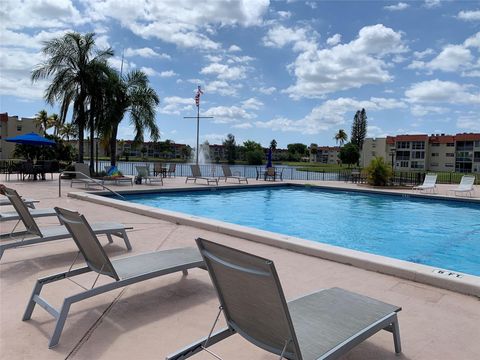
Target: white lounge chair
x=430 y=183
x=466 y=185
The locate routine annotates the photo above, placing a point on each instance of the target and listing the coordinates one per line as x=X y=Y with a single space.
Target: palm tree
x=55 y=122
x=68 y=61
x=341 y=137
x=67 y=131
x=42 y=121
x=133 y=94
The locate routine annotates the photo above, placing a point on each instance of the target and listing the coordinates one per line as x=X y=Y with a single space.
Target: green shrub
x=254 y=157
x=379 y=172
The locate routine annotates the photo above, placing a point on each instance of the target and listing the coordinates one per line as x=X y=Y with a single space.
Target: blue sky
x=294 y=71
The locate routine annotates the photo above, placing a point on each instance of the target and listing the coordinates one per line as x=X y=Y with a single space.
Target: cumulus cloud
x=469 y=122
x=236 y=113
x=469 y=15
x=145 y=52
x=234 y=48
x=397 y=7
x=432 y=3
x=345 y=66
x=330 y=114
x=176 y=105
x=437 y=91
x=224 y=72
x=178 y=22
x=334 y=40
x=266 y=90
x=280 y=36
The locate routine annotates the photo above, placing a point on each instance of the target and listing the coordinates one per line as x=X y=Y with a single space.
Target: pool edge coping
x=467 y=284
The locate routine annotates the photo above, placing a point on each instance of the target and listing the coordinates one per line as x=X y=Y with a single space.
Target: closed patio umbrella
x=269 y=158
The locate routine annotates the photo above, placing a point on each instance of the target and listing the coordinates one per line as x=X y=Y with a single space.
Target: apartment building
x=11 y=126
x=437 y=152
x=326 y=155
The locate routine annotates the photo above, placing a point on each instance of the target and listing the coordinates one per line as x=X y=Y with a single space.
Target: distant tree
x=297 y=148
x=359 y=129
x=313 y=148
x=42 y=121
x=349 y=154
x=186 y=152
x=68 y=131
x=273 y=145
x=230 y=148
x=255 y=157
x=251 y=145
x=341 y=137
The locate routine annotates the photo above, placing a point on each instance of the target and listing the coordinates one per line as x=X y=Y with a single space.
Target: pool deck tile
x=151 y=319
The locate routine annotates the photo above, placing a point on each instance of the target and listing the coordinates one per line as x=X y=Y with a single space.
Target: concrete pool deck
x=154 y=318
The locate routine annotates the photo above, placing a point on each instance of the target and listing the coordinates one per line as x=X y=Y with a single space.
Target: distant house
x=11 y=126
x=326 y=155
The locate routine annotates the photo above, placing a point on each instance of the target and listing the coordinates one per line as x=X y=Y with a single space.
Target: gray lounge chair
x=227 y=174
x=322 y=325
x=197 y=174
x=83 y=176
x=13 y=215
x=124 y=271
x=4 y=201
x=144 y=173
x=171 y=169
x=50 y=233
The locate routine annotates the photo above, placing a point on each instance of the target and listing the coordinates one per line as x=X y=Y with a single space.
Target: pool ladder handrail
x=84 y=176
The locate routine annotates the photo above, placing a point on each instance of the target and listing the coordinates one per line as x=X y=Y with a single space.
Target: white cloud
x=422 y=54
x=423 y=110
x=176 y=105
x=145 y=52
x=334 y=40
x=376 y=131
x=469 y=15
x=234 y=48
x=330 y=114
x=345 y=66
x=252 y=103
x=222 y=87
x=266 y=90
x=432 y=3
x=437 y=91
x=245 y=125
x=280 y=36
x=469 y=122
x=284 y=14
x=179 y=22
x=168 y=73
x=397 y=7
x=224 y=72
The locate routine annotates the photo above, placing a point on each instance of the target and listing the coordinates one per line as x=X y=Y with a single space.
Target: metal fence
x=289 y=173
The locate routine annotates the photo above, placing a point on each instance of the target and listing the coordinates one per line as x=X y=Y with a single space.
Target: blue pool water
x=443 y=234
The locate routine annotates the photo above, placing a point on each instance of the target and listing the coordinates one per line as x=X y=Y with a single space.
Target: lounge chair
x=227 y=174
x=429 y=183
x=466 y=185
x=83 y=176
x=159 y=169
x=125 y=271
x=144 y=173
x=322 y=325
x=171 y=170
x=14 y=215
x=4 y=201
x=270 y=173
x=57 y=232
x=117 y=179
x=197 y=174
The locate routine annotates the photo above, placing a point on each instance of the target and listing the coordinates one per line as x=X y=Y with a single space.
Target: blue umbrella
x=31 y=139
x=269 y=158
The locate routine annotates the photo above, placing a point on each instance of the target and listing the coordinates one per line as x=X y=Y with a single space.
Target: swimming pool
x=438 y=233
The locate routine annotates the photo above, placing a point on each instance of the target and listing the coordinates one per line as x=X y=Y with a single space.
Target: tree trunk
x=113 y=145
x=81 y=125
x=92 y=147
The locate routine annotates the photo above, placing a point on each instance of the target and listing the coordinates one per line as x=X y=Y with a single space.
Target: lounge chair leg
x=31 y=303
x=109 y=237
x=396 y=336
x=127 y=241
x=185 y=272
x=60 y=323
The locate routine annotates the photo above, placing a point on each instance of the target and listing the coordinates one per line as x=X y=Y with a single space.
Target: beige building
x=326 y=155
x=11 y=126
x=437 y=152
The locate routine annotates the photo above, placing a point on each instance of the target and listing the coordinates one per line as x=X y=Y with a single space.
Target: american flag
x=197 y=96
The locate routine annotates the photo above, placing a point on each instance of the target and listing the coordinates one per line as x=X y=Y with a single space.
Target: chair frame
x=465 y=191
x=197 y=174
x=61 y=314
x=227 y=174
x=388 y=322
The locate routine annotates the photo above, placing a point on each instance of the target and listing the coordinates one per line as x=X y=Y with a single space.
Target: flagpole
x=198 y=132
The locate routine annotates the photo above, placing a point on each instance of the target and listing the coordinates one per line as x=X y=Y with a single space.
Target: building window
x=435 y=144
x=476 y=156
x=449 y=165
x=404 y=164
x=450 y=154
x=418 y=145
x=418 y=155
x=435 y=154
x=403 y=155
x=450 y=144
x=19 y=127
x=417 y=165
x=403 y=145
x=433 y=164
x=477 y=143
x=373 y=153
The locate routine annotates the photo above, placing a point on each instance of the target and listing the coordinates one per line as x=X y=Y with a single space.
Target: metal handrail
x=85 y=176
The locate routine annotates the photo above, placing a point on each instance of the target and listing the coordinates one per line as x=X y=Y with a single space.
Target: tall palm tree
x=68 y=130
x=133 y=94
x=341 y=137
x=68 y=60
x=54 y=121
x=42 y=121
